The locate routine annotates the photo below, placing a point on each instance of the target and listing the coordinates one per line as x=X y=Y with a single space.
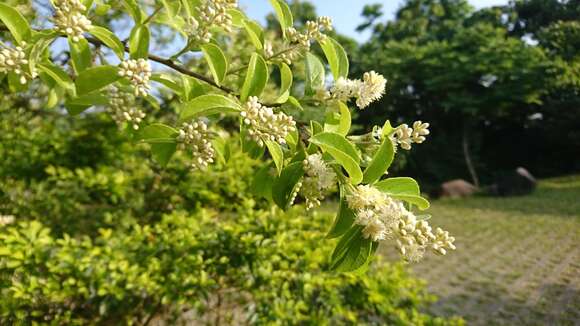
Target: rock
x=457 y=188
x=518 y=182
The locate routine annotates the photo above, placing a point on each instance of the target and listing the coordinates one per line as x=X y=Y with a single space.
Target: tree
x=308 y=153
x=448 y=68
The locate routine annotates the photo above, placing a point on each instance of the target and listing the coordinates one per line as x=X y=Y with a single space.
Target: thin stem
x=171 y=64
x=148 y=19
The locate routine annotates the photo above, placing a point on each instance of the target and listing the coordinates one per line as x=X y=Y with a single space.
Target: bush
x=119 y=241
x=262 y=267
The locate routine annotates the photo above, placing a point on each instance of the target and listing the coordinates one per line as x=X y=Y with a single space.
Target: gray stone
x=457 y=188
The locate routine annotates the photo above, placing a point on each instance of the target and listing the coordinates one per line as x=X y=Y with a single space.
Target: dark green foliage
x=476 y=82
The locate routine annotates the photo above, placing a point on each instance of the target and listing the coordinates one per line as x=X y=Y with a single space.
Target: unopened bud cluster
x=195 y=136
x=406 y=136
x=314 y=31
x=301 y=41
x=69 y=18
x=371 y=88
x=383 y=217
x=212 y=13
x=138 y=72
x=14 y=60
x=414 y=237
x=263 y=124
x=319 y=178
x=123 y=110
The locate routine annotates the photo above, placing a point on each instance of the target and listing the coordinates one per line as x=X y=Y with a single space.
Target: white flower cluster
x=69 y=18
x=196 y=137
x=383 y=217
x=406 y=136
x=318 y=180
x=314 y=31
x=123 y=110
x=371 y=88
x=6 y=219
x=213 y=13
x=14 y=60
x=263 y=124
x=138 y=72
x=300 y=42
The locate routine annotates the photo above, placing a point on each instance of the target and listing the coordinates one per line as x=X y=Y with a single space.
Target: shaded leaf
x=16 y=23
x=217 y=62
x=256 y=78
x=286 y=184
x=109 y=39
x=208 y=105
x=96 y=78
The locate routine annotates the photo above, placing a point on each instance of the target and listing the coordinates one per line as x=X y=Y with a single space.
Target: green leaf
x=352 y=251
x=109 y=39
x=295 y=103
x=343 y=221
x=39 y=49
x=102 y=9
x=162 y=151
x=256 y=78
x=338 y=122
x=315 y=127
x=399 y=186
x=16 y=23
x=276 y=153
x=134 y=10
x=79 y=104
x=343 y=151
x=387 y=129
x=57 y=74
x=262 y=184
x=238 y=17
x=380 y=162
x=216 y=59
x=255 y=33
x=405 y=189
x=139 y=42
x=172 y=8
x=96 y=78
x=336 y=57
x=286 y=184
x=283 y=14
x=207 y=105
x=286 y=78
x=314 y=74
x=80 y=54
x=251 y=147
x=222 y=149
x=167 y=81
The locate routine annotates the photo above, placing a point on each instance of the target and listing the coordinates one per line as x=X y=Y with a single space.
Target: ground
x=517 y=260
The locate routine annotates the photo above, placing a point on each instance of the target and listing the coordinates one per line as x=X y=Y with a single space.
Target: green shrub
x=262 y=267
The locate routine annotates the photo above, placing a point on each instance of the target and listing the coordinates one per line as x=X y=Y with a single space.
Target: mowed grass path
x=518 y=259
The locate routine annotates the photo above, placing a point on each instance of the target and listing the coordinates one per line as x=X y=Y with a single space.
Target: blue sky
x=345 y=13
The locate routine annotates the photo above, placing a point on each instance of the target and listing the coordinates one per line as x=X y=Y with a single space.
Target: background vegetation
x=104 y=235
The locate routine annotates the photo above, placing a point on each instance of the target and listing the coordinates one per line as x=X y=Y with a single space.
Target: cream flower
x=14 y=60
x=69 y=18
x=138 y=72
x=196 y=137
x=123 y=109
x=263 y=124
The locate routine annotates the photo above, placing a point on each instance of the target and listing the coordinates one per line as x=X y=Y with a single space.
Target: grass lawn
x=518 y=259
